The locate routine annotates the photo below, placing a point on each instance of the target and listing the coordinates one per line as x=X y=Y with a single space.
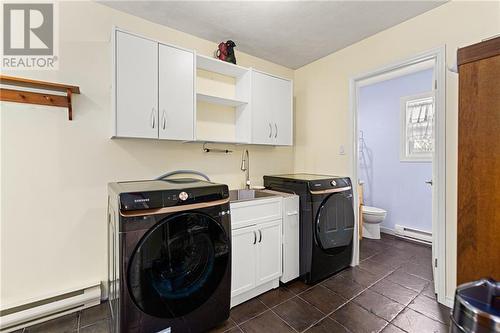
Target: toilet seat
x=369 y=210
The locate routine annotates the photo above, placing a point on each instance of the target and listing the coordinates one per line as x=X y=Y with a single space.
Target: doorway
x=432 y=62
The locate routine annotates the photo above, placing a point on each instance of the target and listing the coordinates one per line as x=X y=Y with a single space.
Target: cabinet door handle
x=164 y=120
x=276 y=134
x=260 y=235
x=270 y=130
x=292 y=213
x=254 y=237
x=153 y=122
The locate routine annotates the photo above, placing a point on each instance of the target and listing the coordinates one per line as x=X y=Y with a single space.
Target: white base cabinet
x=256 y=249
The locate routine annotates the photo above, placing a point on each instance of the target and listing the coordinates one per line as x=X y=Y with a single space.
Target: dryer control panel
x=327 y=184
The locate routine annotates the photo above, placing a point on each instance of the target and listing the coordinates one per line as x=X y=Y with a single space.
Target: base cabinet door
x=243 y=260
x=269 y=251
x=136 y=86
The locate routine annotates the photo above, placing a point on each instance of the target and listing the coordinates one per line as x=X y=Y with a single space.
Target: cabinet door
x=291 y=239
x=262 y=109
x=282 y=111
x=243 y=255
x=269 y=251
x=136 y=86
x=176 y=98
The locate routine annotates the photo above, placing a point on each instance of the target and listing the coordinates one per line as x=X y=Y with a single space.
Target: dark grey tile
x=360 y=276
x=298 y=313
x=223 y=327
x=419 y=270
x=64 y=324
x=276 y=296
x=358 y=319
x=392 y=329
x=342 y=286
x=422 y=259
x=235 y=329
x=431 y=309
x=379 y=305
x=327 y=325
x=247 y=310
x=94 y=314
x=407 y=280
x=297 y=286
x=102 y=326
x=394 y=291
x=375 y=267
x=414 y=322
x=323 y=298
x=266 y=322
x=392 y=261
x=429 y=291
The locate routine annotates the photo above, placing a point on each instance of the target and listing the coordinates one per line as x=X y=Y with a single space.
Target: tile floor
x=390 y=291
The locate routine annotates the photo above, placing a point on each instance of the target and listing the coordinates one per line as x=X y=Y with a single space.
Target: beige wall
x=54 y=172
x=322 y=93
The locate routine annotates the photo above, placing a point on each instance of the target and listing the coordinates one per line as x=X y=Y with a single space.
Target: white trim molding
x=437 y=58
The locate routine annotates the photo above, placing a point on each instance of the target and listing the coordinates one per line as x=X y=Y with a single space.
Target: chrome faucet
x=245 y=166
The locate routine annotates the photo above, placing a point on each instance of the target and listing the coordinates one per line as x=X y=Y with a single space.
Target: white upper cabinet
x=155 y=96
x=136 y=86
x=176 y=93
x=271 y=110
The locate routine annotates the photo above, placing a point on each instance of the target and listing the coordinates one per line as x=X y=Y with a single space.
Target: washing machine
x=326 y=221
x=169 y=255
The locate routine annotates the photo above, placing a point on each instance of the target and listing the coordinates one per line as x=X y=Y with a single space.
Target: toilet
x=372 y=217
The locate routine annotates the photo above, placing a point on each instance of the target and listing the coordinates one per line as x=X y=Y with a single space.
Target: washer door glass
x=178 y=265
x=334 y=222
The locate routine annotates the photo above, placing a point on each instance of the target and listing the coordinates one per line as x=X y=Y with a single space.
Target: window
x=417 y=127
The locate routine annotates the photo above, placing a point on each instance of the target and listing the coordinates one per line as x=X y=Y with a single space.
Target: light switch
x=341 y=150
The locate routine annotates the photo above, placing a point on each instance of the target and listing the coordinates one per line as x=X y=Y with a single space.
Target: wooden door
x=269 y=252
x=478 y=233
x=243 y=260
x=136 y=86
x=176 y=93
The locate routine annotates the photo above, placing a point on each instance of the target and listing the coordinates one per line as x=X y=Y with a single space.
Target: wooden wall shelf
x=30 y=97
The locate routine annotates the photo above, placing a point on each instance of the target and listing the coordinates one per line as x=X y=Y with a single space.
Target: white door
x=269 y=251
x=262 y=109
x=136 y=86
x=176 y=93
x=243 y=255
x=283 y=113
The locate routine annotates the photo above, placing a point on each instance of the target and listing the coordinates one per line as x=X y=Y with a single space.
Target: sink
x=245 y=195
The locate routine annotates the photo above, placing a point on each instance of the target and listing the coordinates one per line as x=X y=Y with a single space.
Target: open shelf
x=219 y=66
x=219 y=100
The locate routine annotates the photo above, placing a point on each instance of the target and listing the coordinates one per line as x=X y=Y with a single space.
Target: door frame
x=439 y=159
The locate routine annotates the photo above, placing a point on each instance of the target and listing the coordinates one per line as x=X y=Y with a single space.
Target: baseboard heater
x=38 y=311
x=413 y=234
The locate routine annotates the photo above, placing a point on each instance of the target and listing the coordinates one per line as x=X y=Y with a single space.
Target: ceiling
x=289 y=33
